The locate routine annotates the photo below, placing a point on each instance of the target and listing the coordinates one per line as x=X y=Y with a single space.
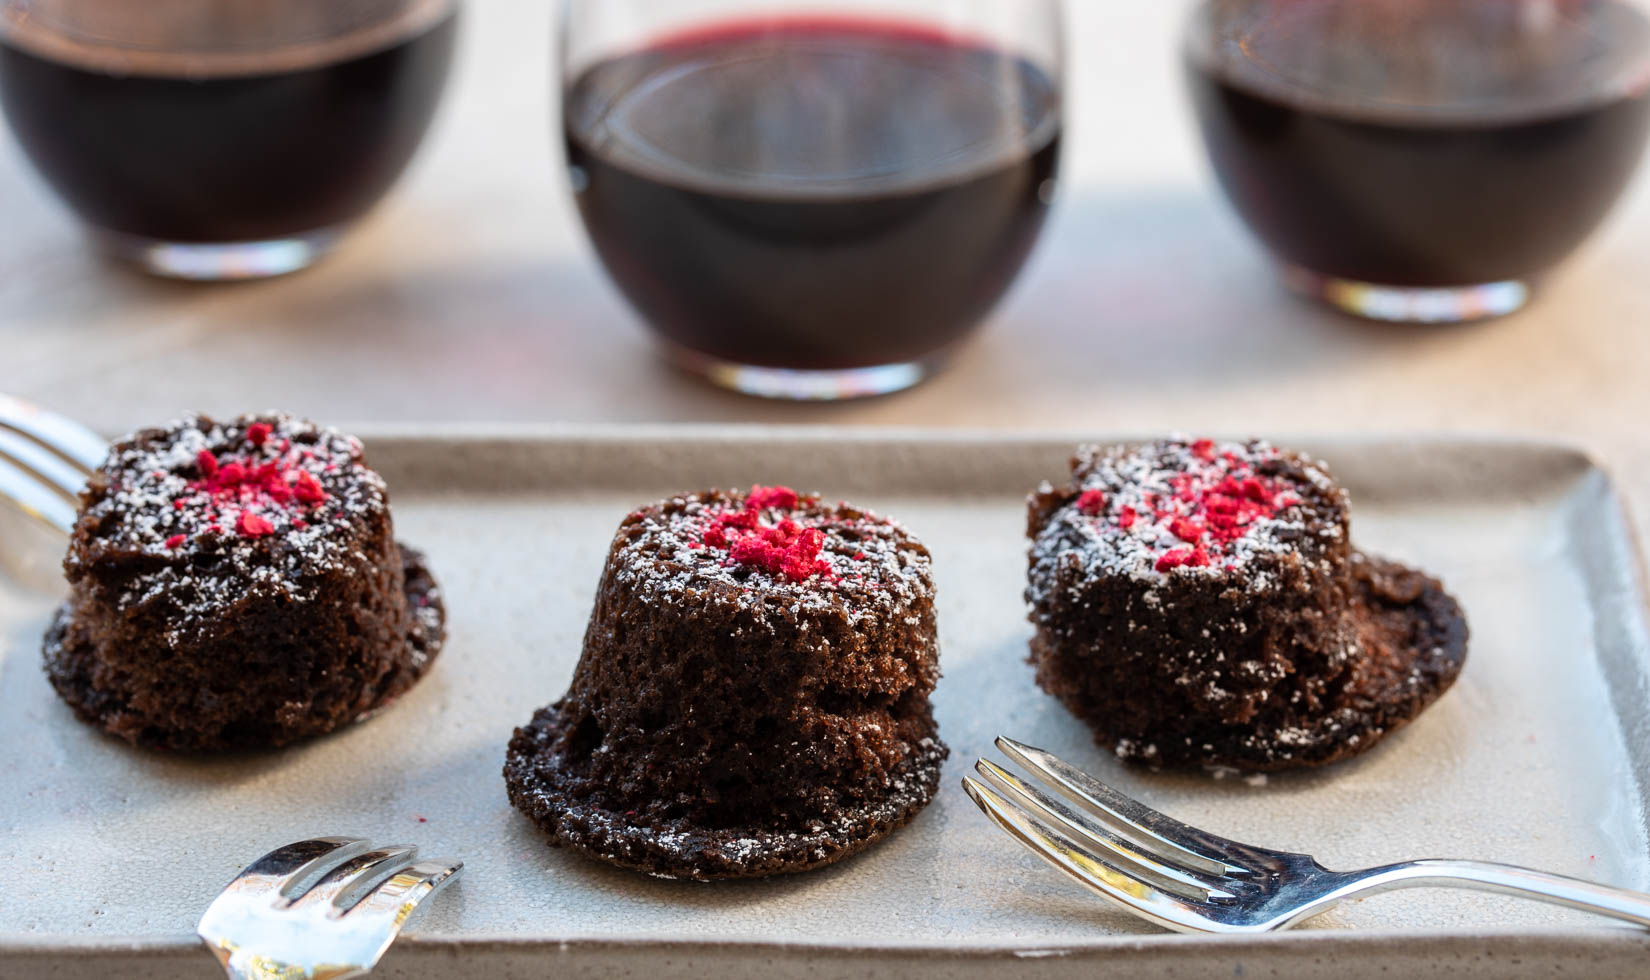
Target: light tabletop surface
x=471 y=295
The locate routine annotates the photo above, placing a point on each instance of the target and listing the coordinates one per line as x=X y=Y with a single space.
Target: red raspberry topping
x=251 y=525
x=1185 y=530
x=246 y=493
x=771 y=498
x=1205 y=501
x=786 y=550
x=308 y=489
x=1091 y=502
x=1183 y=557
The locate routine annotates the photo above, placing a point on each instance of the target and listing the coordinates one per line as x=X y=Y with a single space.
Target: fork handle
x=1618 y=903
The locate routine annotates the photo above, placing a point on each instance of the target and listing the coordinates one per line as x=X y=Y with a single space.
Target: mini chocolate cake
x=752 y=697
x=238 y=585
x=1201 y=604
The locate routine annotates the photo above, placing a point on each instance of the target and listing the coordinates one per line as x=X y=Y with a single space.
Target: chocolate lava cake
x=753 y=694
x=1201 y=604
x=238 y=585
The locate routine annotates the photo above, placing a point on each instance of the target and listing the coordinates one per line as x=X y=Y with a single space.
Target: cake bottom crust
x=1412 y=644
x=72 y=668
x=540 y=787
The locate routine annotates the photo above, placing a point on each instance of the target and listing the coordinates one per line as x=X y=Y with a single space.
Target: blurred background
x=472 y=294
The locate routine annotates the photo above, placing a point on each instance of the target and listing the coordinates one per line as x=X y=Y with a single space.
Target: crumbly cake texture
x=238 y=585
x=1201 y=604
x=753 y=694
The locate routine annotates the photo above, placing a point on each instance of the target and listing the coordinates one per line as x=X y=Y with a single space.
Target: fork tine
x=47 y=467
x=1137 y=860
x=277 y=879
x=350 y=881
x=35 y=497
x=323 y=909
x=1093 y=872
x=294 y=869
x=1165 y=836
x=403 y=891
x=72 y=442
x=42 y=464
x=395 y=899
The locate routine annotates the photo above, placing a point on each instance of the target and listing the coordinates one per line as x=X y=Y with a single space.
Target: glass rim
x=1053 y=62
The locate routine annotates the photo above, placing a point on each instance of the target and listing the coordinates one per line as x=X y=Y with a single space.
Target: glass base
x=785 y=384
x=219 y=261
x=1410 y=304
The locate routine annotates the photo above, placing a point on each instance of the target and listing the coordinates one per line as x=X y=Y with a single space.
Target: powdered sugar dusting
x=1182 y=507
x=202 y=510
x=856 y=561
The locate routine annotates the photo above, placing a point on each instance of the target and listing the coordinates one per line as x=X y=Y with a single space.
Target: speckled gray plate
x=1540 y=755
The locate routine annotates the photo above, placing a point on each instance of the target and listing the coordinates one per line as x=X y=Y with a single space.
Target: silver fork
x=45 y=460
x=323 y=909
x=1191 y=880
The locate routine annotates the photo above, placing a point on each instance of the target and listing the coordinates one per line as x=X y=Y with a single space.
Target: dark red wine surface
x=1422 y=142
x=243 y=153
x=814 y=195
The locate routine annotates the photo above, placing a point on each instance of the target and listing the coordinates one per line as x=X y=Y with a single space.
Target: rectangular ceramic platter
x=1539 y=756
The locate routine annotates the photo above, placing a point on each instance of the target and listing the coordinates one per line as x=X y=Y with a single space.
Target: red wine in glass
x=222 y=163
x=813 y=195
x=1422 y=159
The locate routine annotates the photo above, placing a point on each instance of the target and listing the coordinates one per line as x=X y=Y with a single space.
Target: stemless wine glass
x=1422 y=160
x=222 y=139
x=809 y=200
